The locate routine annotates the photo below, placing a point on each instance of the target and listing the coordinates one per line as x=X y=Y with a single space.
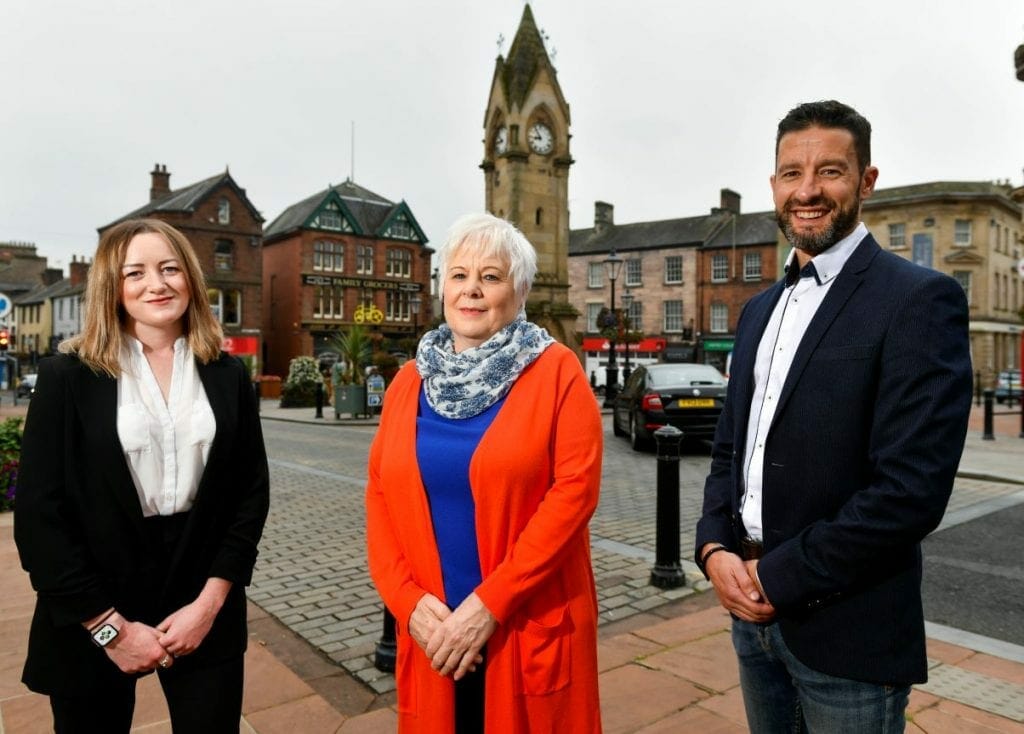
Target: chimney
x=51 y=276
x=730 y=201
x=161 y=185
x=78 y=271
x=604 y=216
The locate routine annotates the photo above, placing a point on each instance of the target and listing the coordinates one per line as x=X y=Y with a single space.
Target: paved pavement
x=666 y=661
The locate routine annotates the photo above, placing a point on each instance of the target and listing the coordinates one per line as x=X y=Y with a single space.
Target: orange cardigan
x=535 y=479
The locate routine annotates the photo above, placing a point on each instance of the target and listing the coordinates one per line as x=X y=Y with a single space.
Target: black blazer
x=859 y=462
x=79 y=527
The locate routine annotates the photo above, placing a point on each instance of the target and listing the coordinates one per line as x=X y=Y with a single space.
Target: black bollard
x=319 y=400
x=256 y=390
x=668 y=571
x=977 y=387
x=1021 y=434
x=387 y=648
x=987 y=433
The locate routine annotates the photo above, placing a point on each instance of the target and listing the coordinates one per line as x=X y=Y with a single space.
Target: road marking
x=357 y=481
x=1006 y=572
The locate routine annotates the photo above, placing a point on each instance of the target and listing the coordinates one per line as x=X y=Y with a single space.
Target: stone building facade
x=972 y=231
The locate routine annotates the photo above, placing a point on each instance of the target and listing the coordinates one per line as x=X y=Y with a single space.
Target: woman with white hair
x=483 y=476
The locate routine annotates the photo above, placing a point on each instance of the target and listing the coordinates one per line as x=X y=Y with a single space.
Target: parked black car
x=26 y=386
x=687 y=396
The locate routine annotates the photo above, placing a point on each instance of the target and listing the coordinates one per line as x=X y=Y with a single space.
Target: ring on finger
x=165 y=661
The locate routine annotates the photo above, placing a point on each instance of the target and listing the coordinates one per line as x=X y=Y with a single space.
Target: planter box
x=349 y=399
x=270 y=386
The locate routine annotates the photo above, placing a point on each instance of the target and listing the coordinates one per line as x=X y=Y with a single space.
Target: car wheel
x=635 y=440
x=615 y=424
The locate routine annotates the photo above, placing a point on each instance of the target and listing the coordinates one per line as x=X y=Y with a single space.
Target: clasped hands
x=453 y=640
x=738 y=589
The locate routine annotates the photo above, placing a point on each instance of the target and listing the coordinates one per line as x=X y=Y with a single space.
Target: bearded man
x=836 y=452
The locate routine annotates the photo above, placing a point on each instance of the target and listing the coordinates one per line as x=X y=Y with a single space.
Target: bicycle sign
x=370 y=314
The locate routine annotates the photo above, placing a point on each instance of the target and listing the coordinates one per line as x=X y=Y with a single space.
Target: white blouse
x=167 y=443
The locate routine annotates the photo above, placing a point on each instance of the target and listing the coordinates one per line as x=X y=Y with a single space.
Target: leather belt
x=750 y=549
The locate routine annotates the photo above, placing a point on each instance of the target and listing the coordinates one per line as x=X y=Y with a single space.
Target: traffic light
x=5 y=340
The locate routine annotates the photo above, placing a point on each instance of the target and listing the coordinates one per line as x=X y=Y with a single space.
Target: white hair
x=490 y=235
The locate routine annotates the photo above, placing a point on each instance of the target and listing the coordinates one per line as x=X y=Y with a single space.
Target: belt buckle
x=750 y=549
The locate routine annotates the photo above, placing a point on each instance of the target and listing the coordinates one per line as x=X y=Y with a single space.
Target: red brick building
x=342 y=256
x=735 y=263
x=226 y=231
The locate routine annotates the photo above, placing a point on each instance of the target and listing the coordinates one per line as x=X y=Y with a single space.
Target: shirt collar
x=830 y=262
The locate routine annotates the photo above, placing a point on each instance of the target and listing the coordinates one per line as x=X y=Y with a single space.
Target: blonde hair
x=103 y=336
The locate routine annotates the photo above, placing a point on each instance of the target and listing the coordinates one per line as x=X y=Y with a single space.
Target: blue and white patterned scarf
x=466 y=384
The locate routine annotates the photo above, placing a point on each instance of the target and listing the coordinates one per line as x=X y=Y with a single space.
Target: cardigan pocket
x=544 y=648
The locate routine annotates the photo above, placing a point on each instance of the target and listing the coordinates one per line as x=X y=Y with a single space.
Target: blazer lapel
x=848 y=280
x=98 y=399
x=745 y=355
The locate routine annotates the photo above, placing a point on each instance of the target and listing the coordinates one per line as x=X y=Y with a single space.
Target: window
x=399 y=263
x=223 y=255
x=963 y=277
x=962 y=233
x=673 y=269
x=364 y=259
x=673 y=321
x=329 y=255
x=719 y=318
x=593 y=309
x=226 y=306
x=539 y=217
x=400 y=229
x=752 y=266
x=397 y=307
x=595 y=275
x=223 y=211
x=719 y=268
x=635 y=313
x=897 y=236
x=634 y=273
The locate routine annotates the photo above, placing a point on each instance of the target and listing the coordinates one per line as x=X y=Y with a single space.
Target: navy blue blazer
x=859 y=462
x=79 y=526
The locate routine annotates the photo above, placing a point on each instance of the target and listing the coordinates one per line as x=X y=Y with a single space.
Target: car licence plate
x=697 y=403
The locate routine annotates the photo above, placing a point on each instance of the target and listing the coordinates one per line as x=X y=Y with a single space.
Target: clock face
x=501 y=140
x=541 y=139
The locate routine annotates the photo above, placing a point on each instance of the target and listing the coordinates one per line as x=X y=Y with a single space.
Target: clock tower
x=526 y=170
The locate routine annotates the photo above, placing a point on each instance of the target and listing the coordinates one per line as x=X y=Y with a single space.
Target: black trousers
x=469 y=703
x=201 y=701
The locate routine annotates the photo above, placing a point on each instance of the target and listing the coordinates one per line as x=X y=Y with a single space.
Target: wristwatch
x=105 y=634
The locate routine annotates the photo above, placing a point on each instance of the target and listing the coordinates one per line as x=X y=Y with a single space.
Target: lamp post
x=414 y=305
x=627 y=301
x=612 y=265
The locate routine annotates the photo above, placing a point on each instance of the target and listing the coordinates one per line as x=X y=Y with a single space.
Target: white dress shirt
x=789 y=320
x=167 y=443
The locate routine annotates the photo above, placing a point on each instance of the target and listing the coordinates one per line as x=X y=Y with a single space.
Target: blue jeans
x=783 y=696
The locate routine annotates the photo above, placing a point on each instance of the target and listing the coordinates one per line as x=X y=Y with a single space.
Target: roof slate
x=187 y=198
x=524 y=58
x=707 y=231
x=939 y=189
x=369 y=209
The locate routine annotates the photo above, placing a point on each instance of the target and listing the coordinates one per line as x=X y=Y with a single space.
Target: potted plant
x=299 y=390
x=354 y=349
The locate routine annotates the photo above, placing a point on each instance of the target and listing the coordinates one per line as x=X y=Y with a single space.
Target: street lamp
x=414 y=304
x=627 y=301
x=612 y=265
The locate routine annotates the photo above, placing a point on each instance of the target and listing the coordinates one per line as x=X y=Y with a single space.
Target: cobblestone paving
x=312 y=575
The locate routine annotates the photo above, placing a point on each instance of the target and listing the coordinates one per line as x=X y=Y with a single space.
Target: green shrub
x=10 y=450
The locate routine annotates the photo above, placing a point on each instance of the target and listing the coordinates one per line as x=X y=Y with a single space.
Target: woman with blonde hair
x=142 y=494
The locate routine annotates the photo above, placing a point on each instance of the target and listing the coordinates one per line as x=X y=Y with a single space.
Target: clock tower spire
x=526 y=169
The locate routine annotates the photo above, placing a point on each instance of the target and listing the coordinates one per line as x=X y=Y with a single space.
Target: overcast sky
x=670 y=100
